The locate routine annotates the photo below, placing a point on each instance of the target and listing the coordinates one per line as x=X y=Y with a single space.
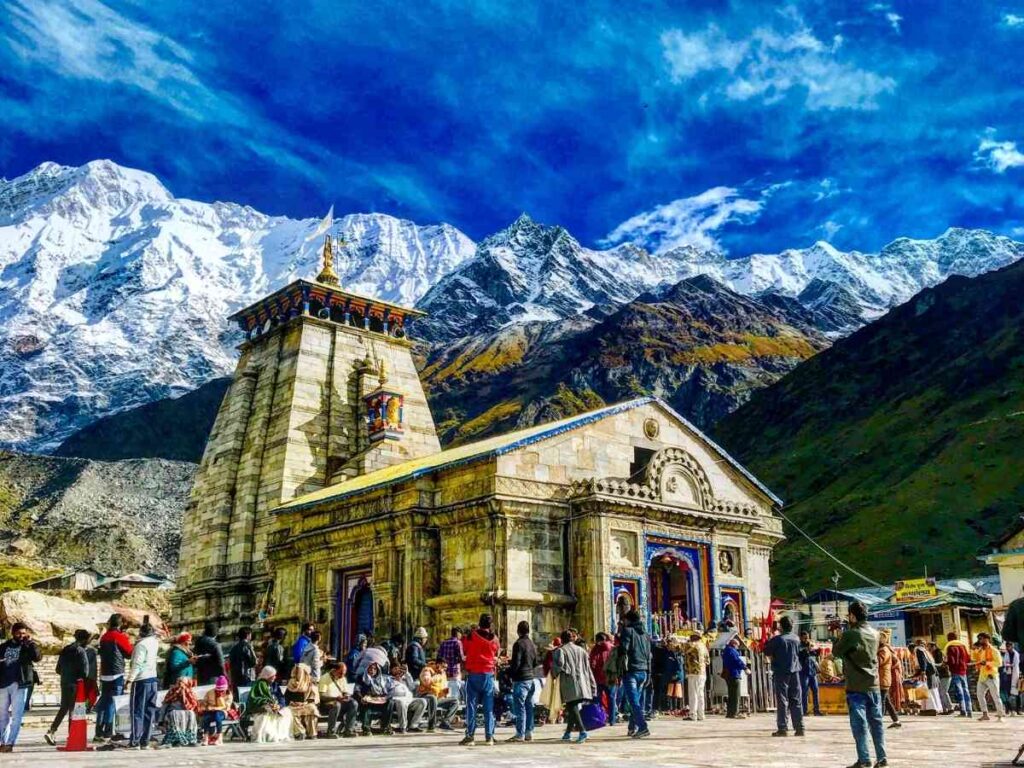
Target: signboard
x=894 y=621
x=912 y=590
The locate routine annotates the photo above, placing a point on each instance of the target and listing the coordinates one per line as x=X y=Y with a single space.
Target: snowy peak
x=75 y=192
x=536 y=272
x=113 y=292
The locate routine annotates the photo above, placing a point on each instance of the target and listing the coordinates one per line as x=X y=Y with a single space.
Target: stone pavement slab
x=936 y=742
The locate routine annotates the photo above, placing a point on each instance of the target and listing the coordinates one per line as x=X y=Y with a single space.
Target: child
x=216 y=704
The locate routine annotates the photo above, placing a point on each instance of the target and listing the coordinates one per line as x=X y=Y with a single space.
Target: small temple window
x=641 y=458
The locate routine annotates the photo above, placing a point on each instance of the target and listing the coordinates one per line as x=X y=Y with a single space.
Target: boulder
x=22 y=547
x=53 y=620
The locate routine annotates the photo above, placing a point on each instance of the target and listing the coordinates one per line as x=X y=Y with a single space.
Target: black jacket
x=637 y=645
x=1013 y=625
x=29 y=655
x=243 y=663
x=523 y=665
x=415 y=658
x=72 y=664
x=208 y=669
x=277 y=657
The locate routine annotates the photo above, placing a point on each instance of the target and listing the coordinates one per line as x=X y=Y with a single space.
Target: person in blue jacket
x=735 y=666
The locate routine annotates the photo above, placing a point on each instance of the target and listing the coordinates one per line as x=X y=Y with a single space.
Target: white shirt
x=144 y=658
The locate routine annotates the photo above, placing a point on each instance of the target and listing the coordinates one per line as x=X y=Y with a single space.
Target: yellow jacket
x=988 y=660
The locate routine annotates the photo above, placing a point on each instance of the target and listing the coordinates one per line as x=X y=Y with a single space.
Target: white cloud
x=1013 y=20
x=1017 y=231
x=830 y=228
x=997 y=155
x=689 y=220
x=89 y=40
x=885 y=10
x=773 y=61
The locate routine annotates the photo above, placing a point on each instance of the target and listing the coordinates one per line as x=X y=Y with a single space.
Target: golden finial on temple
x=382 y=373
x=327 y=275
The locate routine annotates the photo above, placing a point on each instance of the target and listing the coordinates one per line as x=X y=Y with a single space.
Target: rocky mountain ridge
x=114 y=293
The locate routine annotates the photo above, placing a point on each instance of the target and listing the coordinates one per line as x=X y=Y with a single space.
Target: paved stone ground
x=921 y=743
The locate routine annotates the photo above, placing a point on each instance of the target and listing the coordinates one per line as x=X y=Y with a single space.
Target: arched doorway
x=670 y=580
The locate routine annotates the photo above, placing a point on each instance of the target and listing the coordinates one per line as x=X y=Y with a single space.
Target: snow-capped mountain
x=535 y=272
x=876 y=281
x=530 y=272
x=113 y=292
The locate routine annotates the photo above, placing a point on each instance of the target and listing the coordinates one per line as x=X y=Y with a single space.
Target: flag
x=324 y=225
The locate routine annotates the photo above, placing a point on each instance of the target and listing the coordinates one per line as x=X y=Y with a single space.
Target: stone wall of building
x=292 y=422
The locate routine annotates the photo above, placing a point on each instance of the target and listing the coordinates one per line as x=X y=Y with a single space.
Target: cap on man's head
x=421 y=632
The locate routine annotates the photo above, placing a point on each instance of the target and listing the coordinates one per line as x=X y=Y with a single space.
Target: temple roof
x=496 y=446
x=291 y=295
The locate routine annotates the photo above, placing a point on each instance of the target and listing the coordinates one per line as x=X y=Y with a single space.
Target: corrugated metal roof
x=966 y=599
x=494 y=446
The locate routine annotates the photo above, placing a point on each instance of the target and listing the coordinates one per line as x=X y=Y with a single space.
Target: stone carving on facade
x=673 y=477
x=729 y=561
x=623 y=548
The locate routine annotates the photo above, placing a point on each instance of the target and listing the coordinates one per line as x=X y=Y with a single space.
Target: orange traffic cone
x=78 y=724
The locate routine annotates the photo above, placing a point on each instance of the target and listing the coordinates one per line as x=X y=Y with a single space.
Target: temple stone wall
x=289 y=424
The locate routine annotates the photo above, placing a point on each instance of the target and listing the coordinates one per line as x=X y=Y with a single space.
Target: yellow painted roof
x=463 y=454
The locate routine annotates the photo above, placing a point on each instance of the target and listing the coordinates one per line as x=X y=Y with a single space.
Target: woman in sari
x=271 y=720
x=551 y=695
x=302 y=697
x=179 y=714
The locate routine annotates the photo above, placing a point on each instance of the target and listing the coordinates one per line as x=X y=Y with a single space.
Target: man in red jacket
x=481 y=648
x=115 y=648
x=957 y=659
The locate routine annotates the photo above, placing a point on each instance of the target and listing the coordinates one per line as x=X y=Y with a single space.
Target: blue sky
x=743 y=126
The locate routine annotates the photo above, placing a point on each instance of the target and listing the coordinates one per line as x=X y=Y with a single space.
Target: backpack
x=615 y=666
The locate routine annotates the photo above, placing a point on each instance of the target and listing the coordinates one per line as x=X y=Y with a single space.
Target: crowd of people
x=275 y=692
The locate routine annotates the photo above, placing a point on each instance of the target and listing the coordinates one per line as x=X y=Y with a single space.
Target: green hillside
x=902 y=446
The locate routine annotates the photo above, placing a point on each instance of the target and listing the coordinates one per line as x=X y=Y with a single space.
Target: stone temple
x=324 y=495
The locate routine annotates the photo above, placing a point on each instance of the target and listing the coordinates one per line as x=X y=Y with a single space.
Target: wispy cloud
x=886 y=12
x=773 y=61
x=1013 y=20
x=998 y=155
x=87 y=40
x=689 y=220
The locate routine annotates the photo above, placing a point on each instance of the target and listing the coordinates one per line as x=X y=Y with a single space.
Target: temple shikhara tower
x=324 y=495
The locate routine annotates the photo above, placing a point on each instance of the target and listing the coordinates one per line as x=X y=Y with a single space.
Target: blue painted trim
x=641 y=594
x=694 y=587
x=743 y=604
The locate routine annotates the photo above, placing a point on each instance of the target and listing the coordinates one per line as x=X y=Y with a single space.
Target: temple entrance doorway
x=670 y=585
x=353 y=608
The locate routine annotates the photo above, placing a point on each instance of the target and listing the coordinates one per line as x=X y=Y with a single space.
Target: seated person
x=372 y=695
x=405 y=706
x=179 y=714
x=434 y=687
x=272 y=720
x=215 y=706
x=336 y=701
x=302 y=697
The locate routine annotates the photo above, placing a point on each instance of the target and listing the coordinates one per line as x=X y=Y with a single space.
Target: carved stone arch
x=675 y=476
